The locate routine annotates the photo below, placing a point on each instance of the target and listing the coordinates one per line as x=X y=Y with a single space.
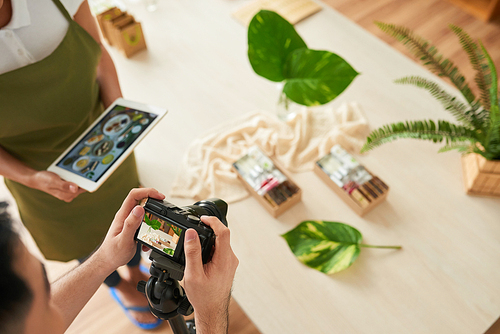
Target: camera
x=163 y=230
x=164 y=226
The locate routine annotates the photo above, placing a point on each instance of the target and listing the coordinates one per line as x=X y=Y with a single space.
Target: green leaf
x=492 y=144
x=177 y=230
x=428 y=130
x=326 y=246
x=460 y=147
x=271 y=39
x=429 y=56
x=316 y=77
x=448 y=101
x=477 y=60
x=154 y=224
x=169 y=251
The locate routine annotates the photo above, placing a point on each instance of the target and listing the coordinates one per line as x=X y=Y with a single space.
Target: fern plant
x=478 y=130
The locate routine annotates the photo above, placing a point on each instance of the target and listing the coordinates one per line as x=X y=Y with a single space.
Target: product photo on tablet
x=94 y=156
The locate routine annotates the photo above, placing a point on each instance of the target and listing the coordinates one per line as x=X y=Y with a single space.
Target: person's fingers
x=220 y=230
x=132 y=222
x=134 y=196
x=214 y=223
x=61 y=195
x=192 y=252
x=57 y=183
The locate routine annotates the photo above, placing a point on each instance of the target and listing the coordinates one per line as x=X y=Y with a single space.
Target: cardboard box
x=122 y=31
x=106 y=16
x=274 y=172
x=131 y=39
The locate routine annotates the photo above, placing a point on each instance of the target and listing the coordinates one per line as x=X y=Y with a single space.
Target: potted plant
x=308 y=77
x=477 y=134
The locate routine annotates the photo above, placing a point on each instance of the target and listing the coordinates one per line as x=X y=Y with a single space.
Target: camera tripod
x=166 y=298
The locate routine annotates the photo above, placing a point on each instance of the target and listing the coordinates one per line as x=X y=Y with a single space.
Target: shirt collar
x=20 y=15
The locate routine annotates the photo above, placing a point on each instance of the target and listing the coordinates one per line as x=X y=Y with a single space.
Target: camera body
x=165 y=224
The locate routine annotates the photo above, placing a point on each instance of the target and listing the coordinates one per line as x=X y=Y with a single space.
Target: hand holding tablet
x=93 y=157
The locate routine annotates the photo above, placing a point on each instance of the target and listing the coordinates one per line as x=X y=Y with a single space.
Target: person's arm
x=106 y=71
x=208 y=287
x=72 y=291
x=13 y=169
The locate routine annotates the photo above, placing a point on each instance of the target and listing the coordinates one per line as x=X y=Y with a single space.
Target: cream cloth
x=206 y=168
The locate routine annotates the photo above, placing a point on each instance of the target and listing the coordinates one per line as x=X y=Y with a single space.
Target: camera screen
x=159 y=234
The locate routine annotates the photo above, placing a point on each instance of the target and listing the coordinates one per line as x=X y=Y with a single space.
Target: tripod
x=166 y=298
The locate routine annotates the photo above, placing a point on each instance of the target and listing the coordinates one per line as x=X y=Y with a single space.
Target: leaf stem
x=371 y=246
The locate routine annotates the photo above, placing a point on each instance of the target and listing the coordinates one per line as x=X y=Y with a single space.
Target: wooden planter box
x=481 y=176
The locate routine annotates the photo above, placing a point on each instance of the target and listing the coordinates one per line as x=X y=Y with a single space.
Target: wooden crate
x=274 y=211
x=353 y=204
x=481 y=176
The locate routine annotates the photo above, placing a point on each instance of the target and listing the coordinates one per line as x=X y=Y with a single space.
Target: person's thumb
x=192 y=250
x=131 y=223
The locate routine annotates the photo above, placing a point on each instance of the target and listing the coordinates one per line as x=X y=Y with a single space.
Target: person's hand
x=119 y=246
x=52 y=184
x=208 y=287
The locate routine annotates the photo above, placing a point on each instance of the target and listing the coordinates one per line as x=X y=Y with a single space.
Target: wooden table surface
x=445 y=280
x=446 y=277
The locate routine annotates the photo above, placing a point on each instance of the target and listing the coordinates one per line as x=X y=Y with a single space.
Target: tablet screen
x=101 y=147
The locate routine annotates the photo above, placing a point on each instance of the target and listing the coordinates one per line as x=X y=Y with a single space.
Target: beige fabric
x=297 y=145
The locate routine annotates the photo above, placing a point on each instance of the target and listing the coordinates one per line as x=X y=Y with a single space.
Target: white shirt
x=35 y=30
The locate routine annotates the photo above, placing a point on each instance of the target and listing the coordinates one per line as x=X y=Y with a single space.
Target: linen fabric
x=34 y=32
x=45 y=106
x=296 y=145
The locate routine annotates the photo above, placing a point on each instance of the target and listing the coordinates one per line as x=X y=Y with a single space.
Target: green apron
x=44 y=107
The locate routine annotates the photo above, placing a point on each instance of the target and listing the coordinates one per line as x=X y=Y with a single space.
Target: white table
x=446 y=278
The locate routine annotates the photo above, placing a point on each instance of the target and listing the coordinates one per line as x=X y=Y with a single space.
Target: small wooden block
x=292 y=10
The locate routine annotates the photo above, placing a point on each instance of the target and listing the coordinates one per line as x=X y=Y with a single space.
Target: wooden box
x=107 y=16
x=122 y=31
x=132 y=39
x=481 y=176
x=361 y=198
x=274 y=210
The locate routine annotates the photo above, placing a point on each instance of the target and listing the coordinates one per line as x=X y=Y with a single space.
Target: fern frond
x=492 y=142
x=460 y=147
x=429 y=57
x=449 y=102
x=477 y=59
x=428 y=130
x=494 y=77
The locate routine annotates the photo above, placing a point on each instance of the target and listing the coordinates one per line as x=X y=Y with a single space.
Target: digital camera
x=164 y=226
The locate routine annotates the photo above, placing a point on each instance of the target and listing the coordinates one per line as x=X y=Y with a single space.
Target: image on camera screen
x=159 y=234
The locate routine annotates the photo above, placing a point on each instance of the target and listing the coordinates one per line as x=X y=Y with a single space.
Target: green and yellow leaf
x=325 y=246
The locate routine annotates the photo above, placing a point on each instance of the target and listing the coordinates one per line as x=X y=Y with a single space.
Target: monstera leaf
x=271 y=39
x=326 y=246
x=316 y=77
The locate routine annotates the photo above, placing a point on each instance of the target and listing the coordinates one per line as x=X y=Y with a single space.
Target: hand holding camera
x=208 y=286
x=119 y=246
x=183 y=240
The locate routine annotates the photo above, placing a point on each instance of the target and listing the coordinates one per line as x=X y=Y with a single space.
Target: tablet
x=93 y=157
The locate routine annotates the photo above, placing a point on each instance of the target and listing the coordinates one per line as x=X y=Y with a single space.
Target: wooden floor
x=428 y=18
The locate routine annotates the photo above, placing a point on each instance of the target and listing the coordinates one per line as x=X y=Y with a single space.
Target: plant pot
x=481 y=176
